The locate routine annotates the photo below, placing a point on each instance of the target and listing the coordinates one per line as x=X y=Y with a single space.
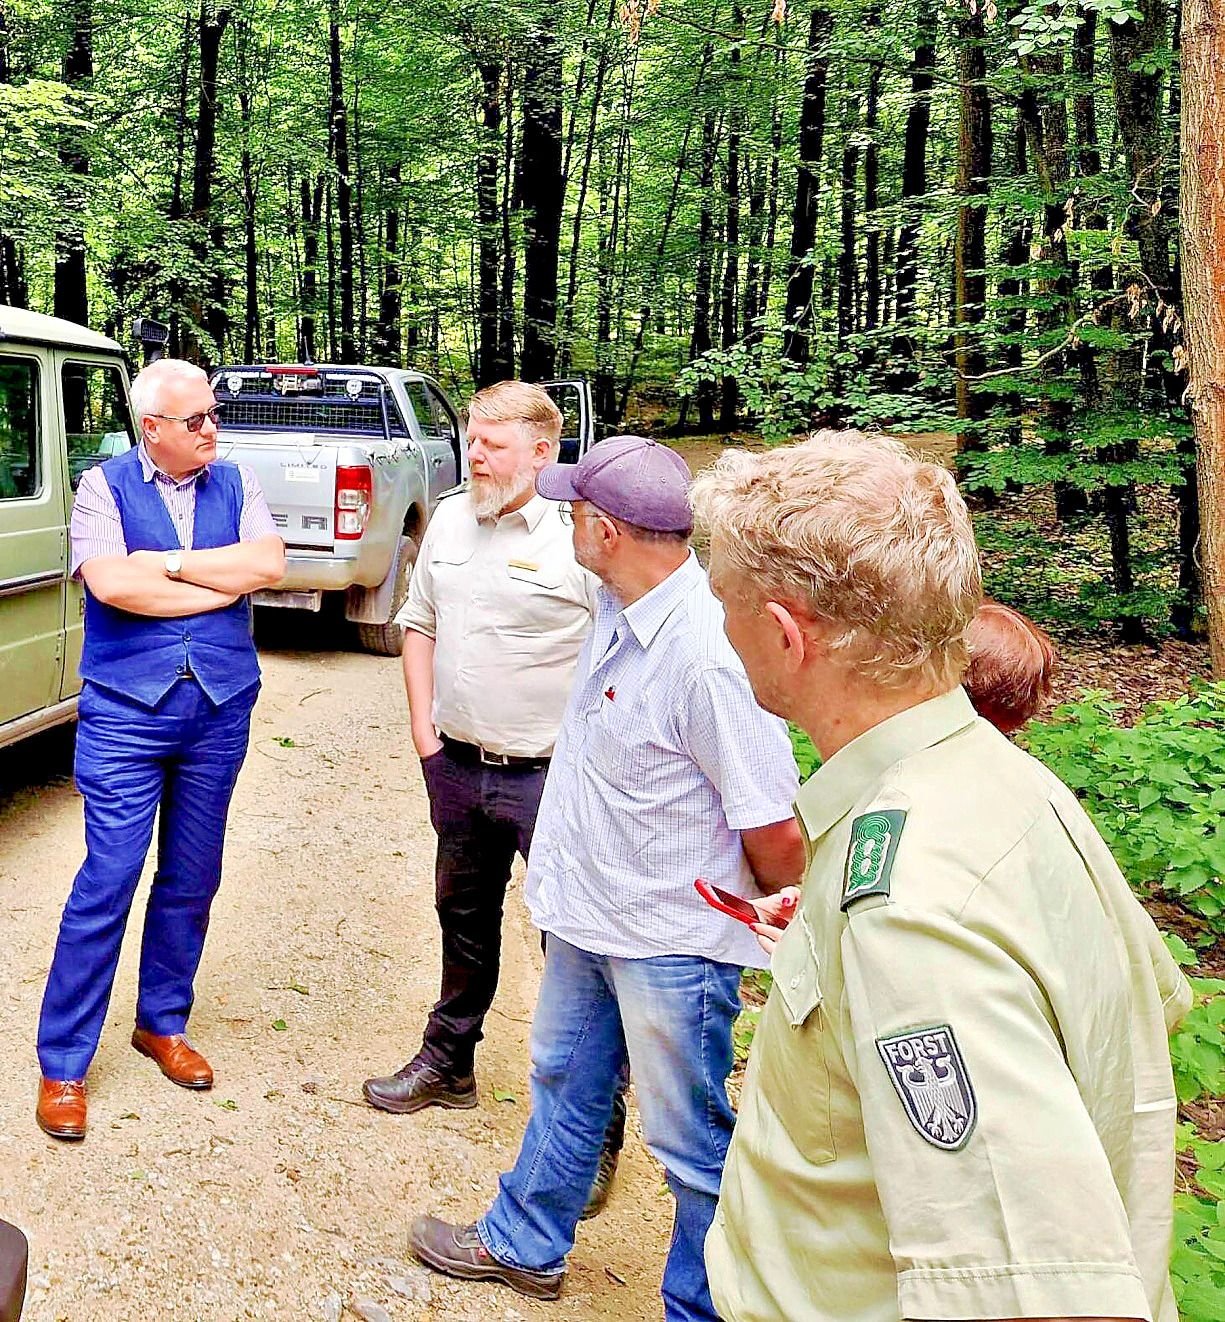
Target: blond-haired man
x=496 y=614
x=959 y=1103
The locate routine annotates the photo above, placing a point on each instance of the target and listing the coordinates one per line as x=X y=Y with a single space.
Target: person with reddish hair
x=1011 y=665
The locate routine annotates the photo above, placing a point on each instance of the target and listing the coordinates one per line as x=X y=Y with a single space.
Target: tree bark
x=1044 y=112
x=13 y=289
x=847 y=232
x=797 y=316
x=776 y=152
x=700 y=342
x=871 y=192
x=387 y=331
x=489 y=367
x=1203 y=287
x=338 y=117
x=206 y=303
x=543 y=191
x=729 y=388
x=914 y=186
x=71 y=298
x=512 y=199
x=250 y=194
x=974 y=151
x=312 y=212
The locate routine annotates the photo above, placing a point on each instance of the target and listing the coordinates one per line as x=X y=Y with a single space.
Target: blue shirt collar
x=646 y=616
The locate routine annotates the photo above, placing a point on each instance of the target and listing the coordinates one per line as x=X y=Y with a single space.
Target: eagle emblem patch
x=874 y=840
x=929 y=1075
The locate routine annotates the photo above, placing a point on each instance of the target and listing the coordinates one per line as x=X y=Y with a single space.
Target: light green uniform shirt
x=959 y=1103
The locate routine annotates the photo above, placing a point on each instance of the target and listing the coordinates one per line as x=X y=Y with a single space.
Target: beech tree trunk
x=512 y=199
x=489 y=367
x=871 y=194
x=914 y=186
x=700 y=341
x=729 y=389
x=543 y=192
x=974 y=150
x=387 y=332
x=206 y=303
x=1203 y=286
x=1044 y=113
x=71 y=299
x=339 y=125
x=13 y=290
x=798 y=318
x=847 y=230
x=311 y=202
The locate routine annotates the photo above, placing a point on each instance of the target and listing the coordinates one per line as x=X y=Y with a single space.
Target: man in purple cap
x=665 y=770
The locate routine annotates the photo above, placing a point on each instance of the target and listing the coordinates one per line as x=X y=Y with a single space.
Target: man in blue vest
x=168 y=542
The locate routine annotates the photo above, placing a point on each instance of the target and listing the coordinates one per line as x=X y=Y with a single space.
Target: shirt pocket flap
x=545 y=577
x=796 y=973
x=452 y=555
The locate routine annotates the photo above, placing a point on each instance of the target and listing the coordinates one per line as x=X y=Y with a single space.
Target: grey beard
x=491 y=495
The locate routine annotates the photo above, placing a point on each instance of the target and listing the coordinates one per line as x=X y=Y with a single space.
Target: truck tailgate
x=298 y=477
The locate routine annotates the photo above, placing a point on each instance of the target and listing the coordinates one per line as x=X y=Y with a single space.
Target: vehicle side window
x=444 y=421
x=420 y=403
x=19 y=465
x=567 y=399
x=96 y=421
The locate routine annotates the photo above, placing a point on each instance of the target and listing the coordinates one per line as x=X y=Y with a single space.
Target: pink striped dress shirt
x=96 y=528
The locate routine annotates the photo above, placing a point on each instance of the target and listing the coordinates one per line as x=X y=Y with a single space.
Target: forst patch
x=930 y=1077
x=869 y=861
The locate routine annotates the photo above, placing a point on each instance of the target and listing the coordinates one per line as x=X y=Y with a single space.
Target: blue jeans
x=184 y=757
x=673 y=1014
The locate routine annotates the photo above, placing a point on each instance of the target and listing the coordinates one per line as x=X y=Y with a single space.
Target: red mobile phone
x=732 y=905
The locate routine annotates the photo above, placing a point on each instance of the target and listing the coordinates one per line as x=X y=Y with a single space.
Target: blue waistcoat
x=141 y=657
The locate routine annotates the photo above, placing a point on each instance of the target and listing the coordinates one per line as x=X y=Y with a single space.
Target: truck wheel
x=388 y=639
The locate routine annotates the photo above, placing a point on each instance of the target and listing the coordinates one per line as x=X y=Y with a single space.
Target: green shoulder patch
x=874 y=840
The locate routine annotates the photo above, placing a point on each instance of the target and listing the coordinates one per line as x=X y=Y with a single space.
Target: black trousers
x=483 y=816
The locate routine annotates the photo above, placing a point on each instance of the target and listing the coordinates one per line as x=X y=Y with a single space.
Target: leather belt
x=475 y=755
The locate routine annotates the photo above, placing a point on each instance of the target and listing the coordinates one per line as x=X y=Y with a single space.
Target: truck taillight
x=354 y=492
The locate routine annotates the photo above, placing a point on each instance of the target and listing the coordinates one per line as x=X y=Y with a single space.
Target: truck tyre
x=388 y=639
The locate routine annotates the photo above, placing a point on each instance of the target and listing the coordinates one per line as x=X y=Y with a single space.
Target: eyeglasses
x=194 y=421
x=565 y=508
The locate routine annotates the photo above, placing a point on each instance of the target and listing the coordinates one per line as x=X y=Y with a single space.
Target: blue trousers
x=673 y=1014
x=183 y=756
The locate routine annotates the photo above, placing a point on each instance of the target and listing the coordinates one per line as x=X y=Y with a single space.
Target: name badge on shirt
x=530 y=565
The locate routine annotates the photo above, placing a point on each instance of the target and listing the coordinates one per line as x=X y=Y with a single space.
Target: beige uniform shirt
x=508 y=607
x=959 y=1102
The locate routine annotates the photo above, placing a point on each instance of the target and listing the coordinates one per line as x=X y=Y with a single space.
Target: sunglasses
x=194 y=421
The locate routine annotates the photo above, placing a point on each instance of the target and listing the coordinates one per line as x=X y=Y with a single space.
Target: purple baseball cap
x=629 y=477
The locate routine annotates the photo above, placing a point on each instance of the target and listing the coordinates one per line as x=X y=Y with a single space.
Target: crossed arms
x=210 y=580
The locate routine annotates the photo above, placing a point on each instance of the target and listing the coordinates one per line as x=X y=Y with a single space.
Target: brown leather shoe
x=61 y=1107
x=458 y=1251
x=175 y=1056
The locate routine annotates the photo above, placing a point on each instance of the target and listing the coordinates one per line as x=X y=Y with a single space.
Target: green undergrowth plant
x=1155 y=789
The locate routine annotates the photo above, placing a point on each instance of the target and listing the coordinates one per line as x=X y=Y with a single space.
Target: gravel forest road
x=280 y=1194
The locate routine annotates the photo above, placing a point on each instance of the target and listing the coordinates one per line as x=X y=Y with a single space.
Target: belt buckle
x=489 y=759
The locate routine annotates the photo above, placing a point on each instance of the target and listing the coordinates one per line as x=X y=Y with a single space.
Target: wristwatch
x=173 y=563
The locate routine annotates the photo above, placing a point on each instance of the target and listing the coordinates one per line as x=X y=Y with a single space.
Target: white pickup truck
x=352 y=461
